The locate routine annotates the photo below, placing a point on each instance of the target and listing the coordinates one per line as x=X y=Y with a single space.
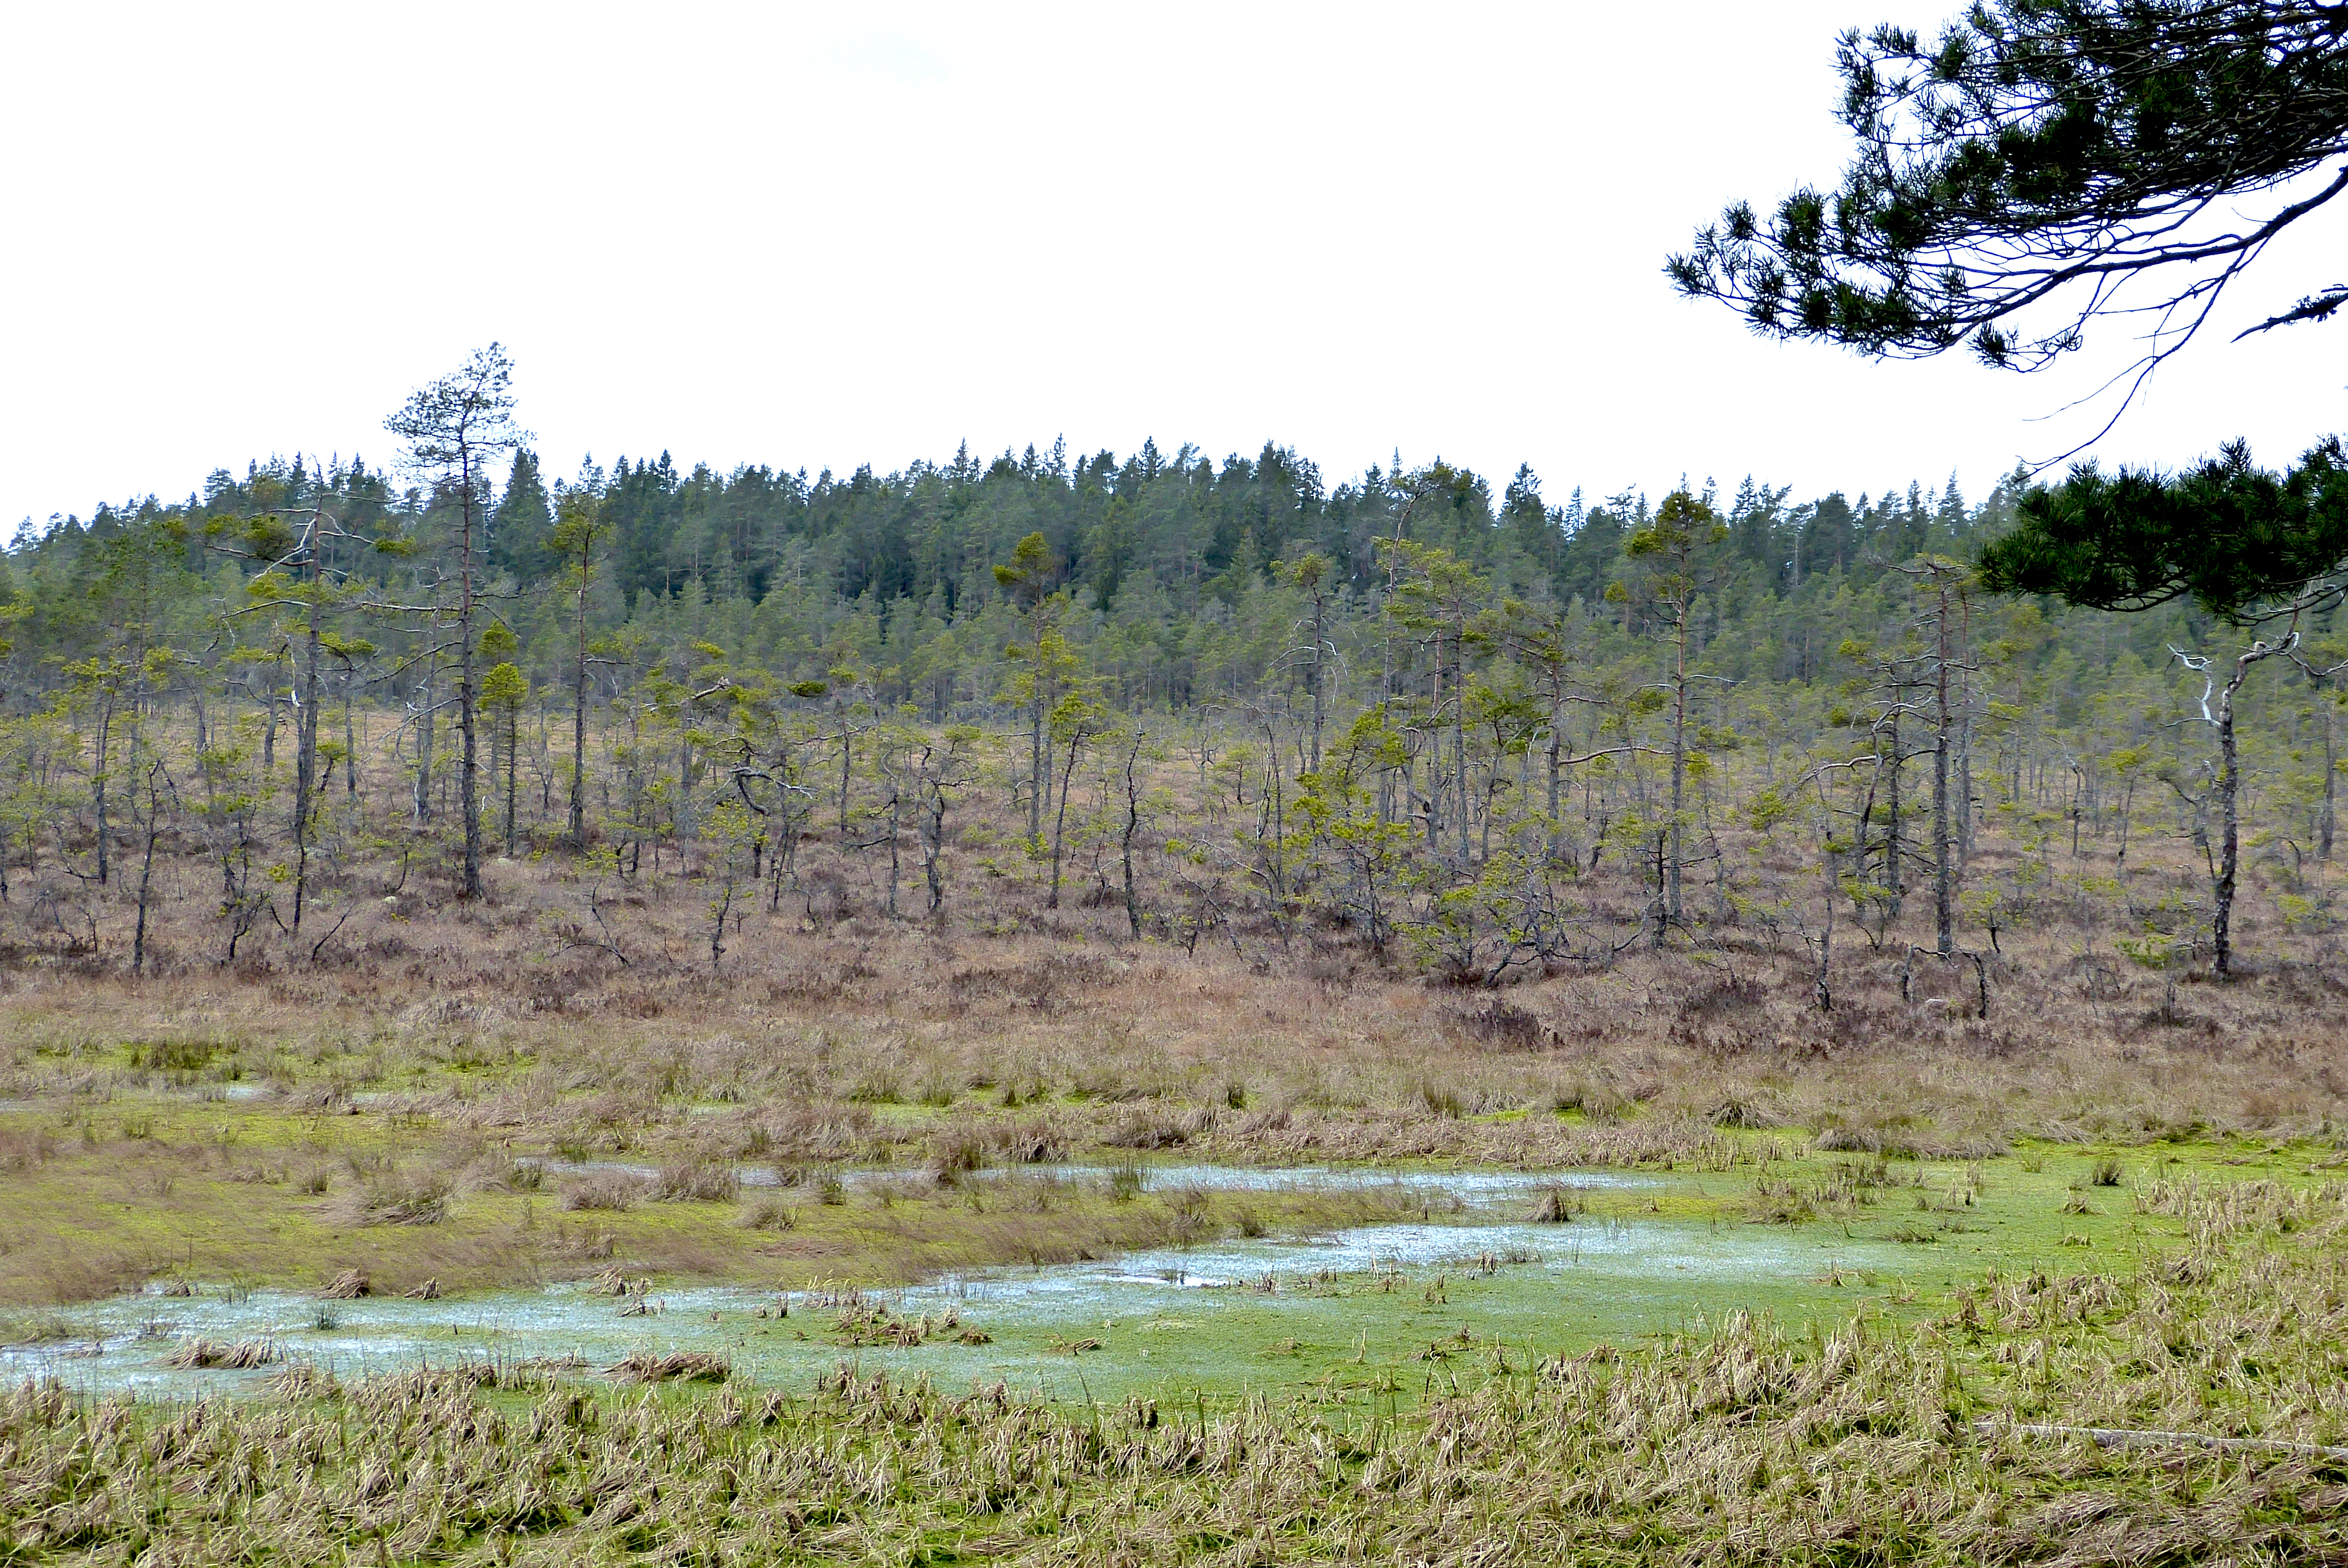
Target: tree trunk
x=578 y=825
x=847 y=760
x=1661 y=904
x=1821 y=987
x=1133 y=825
x=1460 y=733
x=514 y=743
x=933 y=835
x=895 y=798
x=2221 y=923
x=1556 y=740
x=1320 y=696
x=97 y=782
x=1679 y=765
x=305 y=747
x=1437 y=801
x=469 y=794
x=146 y=870
x=424 y=741
x=1060 y=824
x=1894 y=872
x=1944 y=914
x=1039 y=772
x=2330 y=780
x=2228 y=793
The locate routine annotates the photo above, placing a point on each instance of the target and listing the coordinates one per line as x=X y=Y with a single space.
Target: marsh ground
x=1939 y=1219
x=479 y=1105
x=1869 y=1439
x=888 y=1110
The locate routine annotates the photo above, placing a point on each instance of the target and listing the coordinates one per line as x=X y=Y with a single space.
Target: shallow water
x=1224 y=1316
x=1471 y=1188
x=1451 y=1189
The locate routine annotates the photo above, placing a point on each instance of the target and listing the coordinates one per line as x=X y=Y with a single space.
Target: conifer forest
x=1406 y=718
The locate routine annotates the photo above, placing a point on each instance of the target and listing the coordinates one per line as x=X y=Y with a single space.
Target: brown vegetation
x=441 y=1051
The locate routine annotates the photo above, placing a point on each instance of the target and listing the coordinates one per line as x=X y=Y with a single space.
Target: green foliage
x=2033 y=153
x=504 y=689
x=2229 y=534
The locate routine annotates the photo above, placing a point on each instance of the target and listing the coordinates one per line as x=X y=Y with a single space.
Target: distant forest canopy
x=1462 y=716
x=1169 y=559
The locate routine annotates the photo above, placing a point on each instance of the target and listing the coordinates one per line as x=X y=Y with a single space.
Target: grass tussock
x=697 y=1182
x=347 y=1286
x=400 y=1196
x=1555 y=1206
x=769 y=1214
x=606 y=1192
x=681 y=1366
x=221 y=1355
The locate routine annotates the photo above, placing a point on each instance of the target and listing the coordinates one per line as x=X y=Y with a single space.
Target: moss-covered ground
x=178 y=1185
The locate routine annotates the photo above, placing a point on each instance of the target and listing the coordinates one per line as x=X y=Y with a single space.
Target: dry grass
x=233 y=1357
x=1135 y=1052
x=681 y=1366
x=347 y=1286
x=697 y=1182
x=417 y=1067
x=829 y=1020
x=607 y=1191
x=1141 y=1054
x=402 y=1196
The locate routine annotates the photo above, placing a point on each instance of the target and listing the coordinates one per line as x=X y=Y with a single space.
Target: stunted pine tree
x=504 y=692
x=1942 y=586
x=579 y=538
x=1440 y=599
x=1042 y=660
x=455 y=428
x=1676 y=551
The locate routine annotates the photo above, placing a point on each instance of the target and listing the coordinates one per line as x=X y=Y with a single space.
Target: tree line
x=1474 y=730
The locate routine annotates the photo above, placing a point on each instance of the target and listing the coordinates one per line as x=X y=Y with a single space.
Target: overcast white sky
x=822 y=236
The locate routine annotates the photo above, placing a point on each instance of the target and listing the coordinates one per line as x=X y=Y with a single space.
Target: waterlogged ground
x=1466 y=1281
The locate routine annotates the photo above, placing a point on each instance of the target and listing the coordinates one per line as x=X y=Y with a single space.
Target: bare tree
x=1133 y=813
x=2229 y=775
x=1075 y=721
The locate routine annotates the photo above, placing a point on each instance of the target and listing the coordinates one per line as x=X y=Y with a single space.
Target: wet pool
x=1225 y=1315
x=1414 y=1189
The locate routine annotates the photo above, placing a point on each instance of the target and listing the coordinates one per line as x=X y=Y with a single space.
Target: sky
x=821 y=236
